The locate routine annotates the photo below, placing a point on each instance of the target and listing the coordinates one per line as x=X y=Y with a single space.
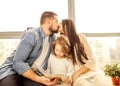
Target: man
x=17 y=68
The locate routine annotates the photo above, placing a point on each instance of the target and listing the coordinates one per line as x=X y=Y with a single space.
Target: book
x=61 y=77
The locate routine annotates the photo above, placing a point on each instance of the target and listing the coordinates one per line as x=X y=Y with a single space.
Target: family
x=58 y=49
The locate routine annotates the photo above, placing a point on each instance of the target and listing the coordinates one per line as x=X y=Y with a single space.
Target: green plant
x=112 y=70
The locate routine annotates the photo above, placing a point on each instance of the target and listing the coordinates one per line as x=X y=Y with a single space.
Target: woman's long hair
x=77 y=47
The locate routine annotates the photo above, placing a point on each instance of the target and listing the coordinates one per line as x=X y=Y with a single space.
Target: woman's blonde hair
x=64 y=43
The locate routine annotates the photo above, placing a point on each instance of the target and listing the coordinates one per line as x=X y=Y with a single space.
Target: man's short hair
x=47 y=14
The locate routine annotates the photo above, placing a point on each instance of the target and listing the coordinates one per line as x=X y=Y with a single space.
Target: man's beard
x=52 y=30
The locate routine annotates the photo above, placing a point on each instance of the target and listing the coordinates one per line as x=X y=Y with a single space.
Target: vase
x=115 y=81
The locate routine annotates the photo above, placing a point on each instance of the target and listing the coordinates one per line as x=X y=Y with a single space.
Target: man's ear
x=48 y=21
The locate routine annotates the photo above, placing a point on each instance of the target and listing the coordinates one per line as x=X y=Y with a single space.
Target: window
x=97 y=16
x=17 y=15
x=101 y=19
x=106 y=49
x=7 y=46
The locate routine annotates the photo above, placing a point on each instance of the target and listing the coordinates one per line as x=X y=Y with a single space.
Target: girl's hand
x=68 y=80
x=46 y=81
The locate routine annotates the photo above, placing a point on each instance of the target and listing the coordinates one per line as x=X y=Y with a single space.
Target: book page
x=62 y=77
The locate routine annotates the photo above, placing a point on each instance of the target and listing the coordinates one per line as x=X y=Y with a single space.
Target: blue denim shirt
x=26 y=53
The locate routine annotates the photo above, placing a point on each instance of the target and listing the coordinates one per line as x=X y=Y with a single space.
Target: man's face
x=54 y=25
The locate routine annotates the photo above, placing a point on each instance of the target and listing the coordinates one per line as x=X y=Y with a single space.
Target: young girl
x=60 y=60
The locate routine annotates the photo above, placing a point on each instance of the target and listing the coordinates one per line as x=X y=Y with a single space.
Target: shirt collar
x=42 y=33
x=52 y=37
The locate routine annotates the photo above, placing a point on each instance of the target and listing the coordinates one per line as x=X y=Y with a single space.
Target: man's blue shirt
x=26 y=53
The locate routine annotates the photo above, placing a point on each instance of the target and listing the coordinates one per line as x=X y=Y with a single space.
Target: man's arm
x=30 y=74
x=20 y=64
x=24 y=49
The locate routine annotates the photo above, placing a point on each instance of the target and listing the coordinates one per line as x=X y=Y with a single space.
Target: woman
x=82 y=56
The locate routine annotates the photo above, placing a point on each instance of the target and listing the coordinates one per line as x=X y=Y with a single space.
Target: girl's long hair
x=65 y=46
x=77 y=47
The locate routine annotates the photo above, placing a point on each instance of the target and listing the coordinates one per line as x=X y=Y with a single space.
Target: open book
x=61 y=77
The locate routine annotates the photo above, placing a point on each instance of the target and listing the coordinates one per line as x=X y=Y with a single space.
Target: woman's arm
x=90 y=63
x=80 y=71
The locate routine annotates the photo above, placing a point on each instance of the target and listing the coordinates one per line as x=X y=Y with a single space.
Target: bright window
x=97 y=15
x=17 y=15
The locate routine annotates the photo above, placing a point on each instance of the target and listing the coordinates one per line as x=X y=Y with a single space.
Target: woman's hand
x=75 y=76
x=80 y=71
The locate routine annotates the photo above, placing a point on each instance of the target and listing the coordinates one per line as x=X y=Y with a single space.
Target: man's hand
x=30 y=74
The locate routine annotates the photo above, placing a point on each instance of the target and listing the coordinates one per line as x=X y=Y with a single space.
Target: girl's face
x=58 y=51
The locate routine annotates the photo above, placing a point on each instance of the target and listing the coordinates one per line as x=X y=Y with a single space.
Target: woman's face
x=60 y=28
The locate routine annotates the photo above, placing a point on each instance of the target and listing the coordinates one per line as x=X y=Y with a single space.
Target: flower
x=112 y=70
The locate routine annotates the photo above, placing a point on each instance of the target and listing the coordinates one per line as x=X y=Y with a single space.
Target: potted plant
x=113 y=70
